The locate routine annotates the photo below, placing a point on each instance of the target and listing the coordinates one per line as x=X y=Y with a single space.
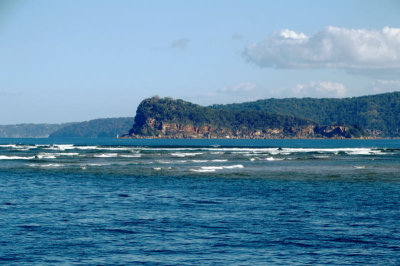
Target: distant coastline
x=249 y=138
x=365 y=117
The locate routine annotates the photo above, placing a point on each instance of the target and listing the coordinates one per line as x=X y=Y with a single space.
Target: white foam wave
x=63 y=147
x=54 y=155
x=130 y=155
x=60 y=147
x=202 y=170
x=106 y=155
x=349 y=151
x=117 y=148
x=363 y=152
x=17 y=147
x=185 y=154
x=233 y=166
x=359 y=166
x=205 y=169
x=164 y=161
x=105 y=148
x=219 y=160
x=170 y=162
x=46 y=156
x=86 y=147
x=199 y=161
x=67 y=154
x=98 y=164
x=49 y=165
x=5 y=157
x=8 y=145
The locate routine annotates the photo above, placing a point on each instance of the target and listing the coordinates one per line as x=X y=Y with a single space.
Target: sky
x=70 y=60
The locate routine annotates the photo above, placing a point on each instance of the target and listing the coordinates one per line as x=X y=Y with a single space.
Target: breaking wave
x=205 y=169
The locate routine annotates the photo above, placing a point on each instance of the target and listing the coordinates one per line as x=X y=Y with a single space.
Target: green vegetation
x=105 y=127
x=377 y=114
x=28 y=130
x=154 y=112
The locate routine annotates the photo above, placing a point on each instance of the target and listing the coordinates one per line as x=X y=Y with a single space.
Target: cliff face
x=168 y=118
x=379 y=114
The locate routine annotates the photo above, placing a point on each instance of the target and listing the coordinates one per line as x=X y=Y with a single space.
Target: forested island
x=375 y=116
x=357 y=117
x=168 y=118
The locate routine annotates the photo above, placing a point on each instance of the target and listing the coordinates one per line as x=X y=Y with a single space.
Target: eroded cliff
x=168 y=118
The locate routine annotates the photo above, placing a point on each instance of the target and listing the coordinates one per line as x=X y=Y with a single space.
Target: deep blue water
x=186 y=202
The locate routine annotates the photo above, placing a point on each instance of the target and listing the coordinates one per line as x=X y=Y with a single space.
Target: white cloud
x=317 y=89
x=242 y=92
x=239 y=88
x=358 y=51
x=247 y=91
x=180 y=44
x=395 y=83
x=382 y=86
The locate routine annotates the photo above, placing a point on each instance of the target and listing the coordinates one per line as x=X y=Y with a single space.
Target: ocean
x=199 y=202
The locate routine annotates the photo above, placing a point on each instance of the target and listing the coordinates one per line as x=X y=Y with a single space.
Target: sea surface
x=199 y=202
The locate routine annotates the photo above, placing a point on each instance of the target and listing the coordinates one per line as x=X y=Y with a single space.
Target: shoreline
x=252 y=138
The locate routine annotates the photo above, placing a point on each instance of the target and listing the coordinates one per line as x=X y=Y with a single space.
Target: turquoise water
x=109 y=201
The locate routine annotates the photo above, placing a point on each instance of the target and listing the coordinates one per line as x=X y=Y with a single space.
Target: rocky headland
x=168 y=118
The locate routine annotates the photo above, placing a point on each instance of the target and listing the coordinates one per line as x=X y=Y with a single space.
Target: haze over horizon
x=64 y=61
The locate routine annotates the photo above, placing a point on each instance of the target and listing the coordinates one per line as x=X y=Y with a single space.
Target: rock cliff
x=168 y=118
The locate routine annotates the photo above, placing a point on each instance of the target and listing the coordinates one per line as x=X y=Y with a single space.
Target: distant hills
x=104 y=127
x=366 y=116
x=97 y=128
x=28 y=130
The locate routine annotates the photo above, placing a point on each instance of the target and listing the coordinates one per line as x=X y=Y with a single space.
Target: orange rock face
x=188 y=130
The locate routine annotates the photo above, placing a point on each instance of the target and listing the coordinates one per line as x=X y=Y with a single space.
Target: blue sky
x=63 y=61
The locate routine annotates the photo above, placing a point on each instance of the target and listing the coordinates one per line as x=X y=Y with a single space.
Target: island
x=372 y=116
x=169 y=118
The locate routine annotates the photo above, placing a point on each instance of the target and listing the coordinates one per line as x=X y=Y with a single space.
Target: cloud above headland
x=248 y=91
x=244 y=87
x=358 y=51
x=318 y=89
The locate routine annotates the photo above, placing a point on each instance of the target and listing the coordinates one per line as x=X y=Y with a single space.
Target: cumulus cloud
x=356 y=50
x=317 y=89
x=180 y=44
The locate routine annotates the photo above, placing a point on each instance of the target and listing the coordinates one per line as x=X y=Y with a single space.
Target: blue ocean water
x=186 y=202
